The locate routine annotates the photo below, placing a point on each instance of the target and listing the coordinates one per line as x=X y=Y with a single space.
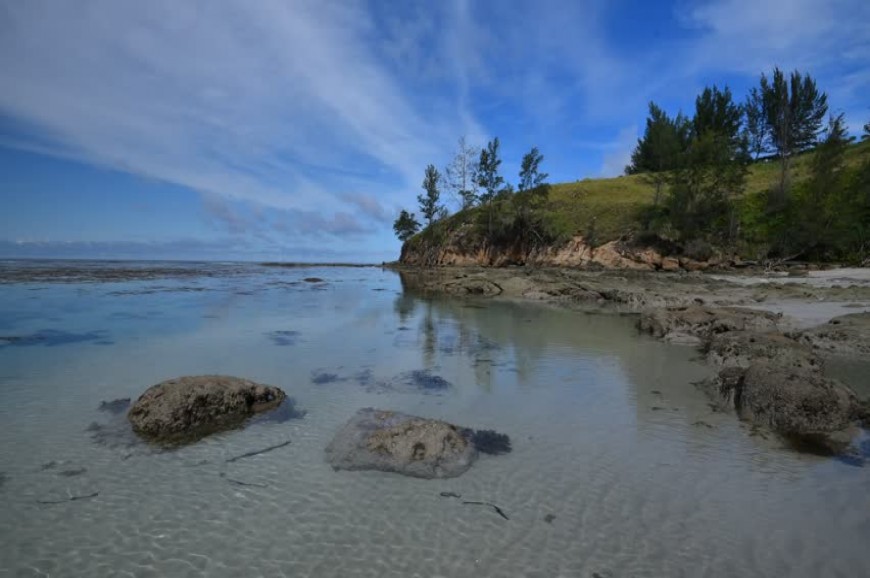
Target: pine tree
x=489 y=179
x=530 y=177
x=429 y=204
x=794 y=110
x=661 y=148
x=406 y=225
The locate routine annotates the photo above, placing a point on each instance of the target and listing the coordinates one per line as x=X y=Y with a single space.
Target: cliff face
x=456 y=251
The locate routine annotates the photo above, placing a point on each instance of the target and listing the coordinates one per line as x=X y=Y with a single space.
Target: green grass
x=616 y=202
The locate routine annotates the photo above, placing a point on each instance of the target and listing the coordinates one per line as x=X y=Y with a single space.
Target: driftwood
x=70 y=499
x=257 y=452
x=498 y=510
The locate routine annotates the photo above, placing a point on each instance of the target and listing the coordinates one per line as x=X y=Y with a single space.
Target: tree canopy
x=406 y=225
x=430 y=206
x=530 y=175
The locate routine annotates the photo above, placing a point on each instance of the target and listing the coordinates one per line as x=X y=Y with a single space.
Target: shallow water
x=619 y=466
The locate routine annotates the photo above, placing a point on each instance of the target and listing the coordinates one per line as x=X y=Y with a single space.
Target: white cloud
x=283 y=104
x=751 y=35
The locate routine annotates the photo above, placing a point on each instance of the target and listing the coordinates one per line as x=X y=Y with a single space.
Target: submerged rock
x=187 y=408
x=405 y=444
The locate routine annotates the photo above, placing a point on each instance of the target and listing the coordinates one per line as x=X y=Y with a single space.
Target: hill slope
x=606 y=209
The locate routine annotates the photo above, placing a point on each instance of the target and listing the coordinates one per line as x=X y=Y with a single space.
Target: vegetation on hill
x=761 y=178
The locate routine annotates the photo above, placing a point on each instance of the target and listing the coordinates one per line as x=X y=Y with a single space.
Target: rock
x=693 y=265
x=649 y=256
x=614 y=255
x=472 y=286
x=798 y=403
x=405 y=444
x=844 y=335
x=741 y=348
x=674 y=323
x=670 y=264
x=187 y=408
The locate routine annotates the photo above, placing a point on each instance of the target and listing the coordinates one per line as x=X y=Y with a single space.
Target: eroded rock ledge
x=767 y=377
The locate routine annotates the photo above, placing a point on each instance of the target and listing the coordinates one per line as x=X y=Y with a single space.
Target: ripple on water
x=597 y=483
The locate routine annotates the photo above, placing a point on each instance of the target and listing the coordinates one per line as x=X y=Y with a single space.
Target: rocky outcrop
x=413 y=446
x=461 y=248
x=768 y=378
x=696 y=324
x=187 y=408
x=741 y=348
x=844 y=335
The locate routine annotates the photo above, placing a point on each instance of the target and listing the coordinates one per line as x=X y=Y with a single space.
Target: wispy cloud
x=278 y=103
x=304 y=117
x=619 y=155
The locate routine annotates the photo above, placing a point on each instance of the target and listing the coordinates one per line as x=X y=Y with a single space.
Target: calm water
x=619 y=467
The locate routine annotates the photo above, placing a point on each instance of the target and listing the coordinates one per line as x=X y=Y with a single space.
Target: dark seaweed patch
x=488 y=441
x=3 y=479
x=364 y=377
x=313 y=280
x=116 y=406
x=284 y=338
x=426 y=380
x=323 y=378
x=72 y=473
x=54 y=338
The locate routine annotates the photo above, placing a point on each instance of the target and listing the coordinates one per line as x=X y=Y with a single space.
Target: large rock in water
x=187 y=408
x=396 y=442
x=797 y=402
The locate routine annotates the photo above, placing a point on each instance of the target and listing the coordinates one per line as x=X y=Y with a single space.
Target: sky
x=297 y=129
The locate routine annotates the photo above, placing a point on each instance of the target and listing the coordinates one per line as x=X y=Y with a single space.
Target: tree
x=460 y=174
x=664 y=141
x=406 y=225
x=488 y=177
x=826 y=191
x=715 y=111
x=429 y=205
x=712 y=171
x=530 y=177
x=755 y=130
x=700 y=203
x=866 y=134
x=794 y=110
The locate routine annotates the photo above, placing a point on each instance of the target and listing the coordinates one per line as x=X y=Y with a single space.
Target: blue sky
x=296 y=129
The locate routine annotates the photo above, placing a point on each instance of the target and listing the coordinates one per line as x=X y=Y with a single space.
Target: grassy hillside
x=615 y=203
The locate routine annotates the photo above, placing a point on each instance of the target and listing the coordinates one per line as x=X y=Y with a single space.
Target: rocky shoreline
x=770 y=365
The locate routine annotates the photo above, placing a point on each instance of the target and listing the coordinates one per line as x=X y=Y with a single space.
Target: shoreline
x=768 y=336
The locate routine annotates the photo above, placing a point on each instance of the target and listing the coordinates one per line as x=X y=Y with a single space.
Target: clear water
x=609 y=437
